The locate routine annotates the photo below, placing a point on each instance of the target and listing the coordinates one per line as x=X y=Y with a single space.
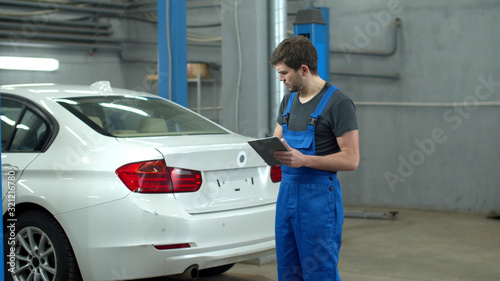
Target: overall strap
x=322 y=104
x=289 y=106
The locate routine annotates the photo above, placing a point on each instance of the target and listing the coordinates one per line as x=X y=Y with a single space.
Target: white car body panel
x=113 y=230
x=148 y=220
x=234 y=175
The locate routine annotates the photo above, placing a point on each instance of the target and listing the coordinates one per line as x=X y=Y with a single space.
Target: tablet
x=266 y=147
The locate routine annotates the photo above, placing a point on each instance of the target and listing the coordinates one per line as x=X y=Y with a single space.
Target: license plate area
x=235 y=183
x=230 y=189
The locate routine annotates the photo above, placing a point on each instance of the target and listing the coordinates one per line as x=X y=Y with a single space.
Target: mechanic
x=318 y=124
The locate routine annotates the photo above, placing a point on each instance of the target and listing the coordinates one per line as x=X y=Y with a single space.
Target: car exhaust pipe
x=191 y=273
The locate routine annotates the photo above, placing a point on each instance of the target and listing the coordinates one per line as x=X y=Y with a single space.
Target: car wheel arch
x=24 y=208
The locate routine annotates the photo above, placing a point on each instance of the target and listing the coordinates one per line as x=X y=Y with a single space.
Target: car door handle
x=8 y=167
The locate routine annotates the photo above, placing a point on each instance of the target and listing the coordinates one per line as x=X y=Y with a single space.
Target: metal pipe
x=55 y=36
x=278 y=20
x=59 y=6
x=140 y=11
x=395 y=76
x=73 y=37
x=397 y=25
x=140 y=3
x=204 y=6
x=121 y=5
x=62 y=45
x=204 y=25
x=39 y=27
x=95 y=25
x=139 y=18
x=191 y=273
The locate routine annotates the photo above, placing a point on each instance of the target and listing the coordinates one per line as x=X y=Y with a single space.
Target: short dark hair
x=295 y=51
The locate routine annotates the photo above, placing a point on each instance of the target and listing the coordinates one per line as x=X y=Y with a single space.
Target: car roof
x=52 y=90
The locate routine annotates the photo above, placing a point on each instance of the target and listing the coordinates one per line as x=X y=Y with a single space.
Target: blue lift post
x=2 y=261
x=315 y=25
x=172 y=51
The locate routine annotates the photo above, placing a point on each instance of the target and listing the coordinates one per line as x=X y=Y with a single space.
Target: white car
x=109 y=184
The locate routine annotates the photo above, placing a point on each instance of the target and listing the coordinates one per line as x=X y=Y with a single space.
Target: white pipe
x=238 y=82
x=278 y=32
x=169 y=50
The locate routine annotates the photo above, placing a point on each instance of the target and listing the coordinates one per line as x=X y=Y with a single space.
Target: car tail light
x=156 y=177
x=276 y=173
x=145 y=177
x=184 y=180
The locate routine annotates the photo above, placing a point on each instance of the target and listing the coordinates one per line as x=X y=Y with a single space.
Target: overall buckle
x=313 y=121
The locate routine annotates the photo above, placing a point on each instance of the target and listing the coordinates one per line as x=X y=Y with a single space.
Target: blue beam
x=315 y=25
x=325 y=12
x=172 y=51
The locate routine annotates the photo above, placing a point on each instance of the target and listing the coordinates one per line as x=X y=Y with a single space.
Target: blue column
x=2 y=261
x=315 y=25
x=172 y=51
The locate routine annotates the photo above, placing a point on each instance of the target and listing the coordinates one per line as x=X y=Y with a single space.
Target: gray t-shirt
x=339 y=117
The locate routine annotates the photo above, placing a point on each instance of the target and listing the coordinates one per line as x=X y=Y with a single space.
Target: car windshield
x=137 y=116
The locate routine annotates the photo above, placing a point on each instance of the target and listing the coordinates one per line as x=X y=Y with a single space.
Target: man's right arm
x=278 y=131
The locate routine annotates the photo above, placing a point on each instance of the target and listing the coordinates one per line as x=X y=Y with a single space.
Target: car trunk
x=233 y=175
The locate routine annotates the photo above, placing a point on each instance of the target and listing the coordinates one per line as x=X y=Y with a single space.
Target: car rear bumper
x=106 y=250
x=207 y=258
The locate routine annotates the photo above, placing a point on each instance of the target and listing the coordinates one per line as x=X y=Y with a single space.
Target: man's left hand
x=292 y=158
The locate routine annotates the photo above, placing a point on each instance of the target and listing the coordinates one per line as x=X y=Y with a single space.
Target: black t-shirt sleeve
x=344 y=116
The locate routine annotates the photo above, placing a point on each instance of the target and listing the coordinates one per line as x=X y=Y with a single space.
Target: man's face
x=290 y=78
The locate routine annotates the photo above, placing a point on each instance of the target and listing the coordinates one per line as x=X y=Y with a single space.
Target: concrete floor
x=418 y=245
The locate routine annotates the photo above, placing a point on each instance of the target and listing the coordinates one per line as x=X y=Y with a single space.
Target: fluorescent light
x=11 y=87
x=23 y=63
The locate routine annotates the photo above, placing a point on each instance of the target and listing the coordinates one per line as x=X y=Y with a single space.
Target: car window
x=28 y=129
x=135 y=116
x=11 y=111
x=30 y=133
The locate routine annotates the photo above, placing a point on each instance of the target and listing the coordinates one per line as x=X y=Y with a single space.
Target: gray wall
x=432 y=155
x=245 y=103
x=421 y=147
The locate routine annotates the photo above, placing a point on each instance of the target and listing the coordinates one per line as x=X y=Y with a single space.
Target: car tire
x=215 y=270
x=41 y=250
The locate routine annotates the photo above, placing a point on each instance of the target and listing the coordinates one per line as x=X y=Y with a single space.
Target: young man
x=317 y=122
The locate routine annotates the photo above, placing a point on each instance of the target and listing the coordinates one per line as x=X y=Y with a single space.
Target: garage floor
x=418 y=245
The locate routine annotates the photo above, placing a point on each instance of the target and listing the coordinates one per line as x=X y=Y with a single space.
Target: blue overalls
x=309 y=213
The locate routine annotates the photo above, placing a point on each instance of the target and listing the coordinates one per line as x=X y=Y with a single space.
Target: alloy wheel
x=35 y=256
